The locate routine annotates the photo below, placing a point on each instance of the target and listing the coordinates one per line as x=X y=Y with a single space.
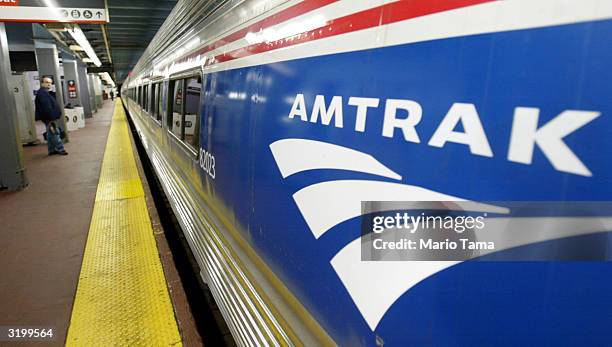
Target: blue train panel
x=514 y=116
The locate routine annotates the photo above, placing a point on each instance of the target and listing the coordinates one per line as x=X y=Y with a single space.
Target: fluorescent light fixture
x=107 y=77
x=80 y=38
x=58 y=27
x=87 y=60
x=75 y=48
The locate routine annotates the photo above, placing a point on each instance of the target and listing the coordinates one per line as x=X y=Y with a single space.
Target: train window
x=176 y=107
x=154 y=100
x=159 y=109
x=145 y=98
x=138 y=98
x=193 y=90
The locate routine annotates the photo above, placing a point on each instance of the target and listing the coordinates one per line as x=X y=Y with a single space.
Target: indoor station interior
x=305 y=173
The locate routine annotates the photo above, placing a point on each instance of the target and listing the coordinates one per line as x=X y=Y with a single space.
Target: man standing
x=48 y=111
x=112 y=94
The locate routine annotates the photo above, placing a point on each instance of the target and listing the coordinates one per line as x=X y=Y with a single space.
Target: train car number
x=207 y=162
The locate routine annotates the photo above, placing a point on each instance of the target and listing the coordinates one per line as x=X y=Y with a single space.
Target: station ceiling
x=132 y=26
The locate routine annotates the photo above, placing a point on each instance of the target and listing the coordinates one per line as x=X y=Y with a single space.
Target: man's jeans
x=54 y=142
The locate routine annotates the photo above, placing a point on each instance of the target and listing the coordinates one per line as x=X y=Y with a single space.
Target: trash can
x=80 y=111
x=71 y=118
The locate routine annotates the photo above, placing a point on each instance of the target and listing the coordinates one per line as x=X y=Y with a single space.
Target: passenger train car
x=269 y=122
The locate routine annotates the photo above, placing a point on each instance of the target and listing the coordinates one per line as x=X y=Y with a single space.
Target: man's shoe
x=53 y=153
x=62 y=153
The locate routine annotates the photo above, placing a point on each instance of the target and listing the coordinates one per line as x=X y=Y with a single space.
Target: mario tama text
x=423 y=223
x=488 y=231
x=423 y=231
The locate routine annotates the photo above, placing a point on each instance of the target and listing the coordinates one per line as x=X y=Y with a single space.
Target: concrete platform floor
x=43 y=230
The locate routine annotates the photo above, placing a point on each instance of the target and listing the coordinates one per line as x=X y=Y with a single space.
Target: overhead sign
x=64 y=11
x=9 y=2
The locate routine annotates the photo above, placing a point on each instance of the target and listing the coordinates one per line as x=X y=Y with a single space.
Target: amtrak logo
x=343 y=202
x=391 y=279
x=343 y=198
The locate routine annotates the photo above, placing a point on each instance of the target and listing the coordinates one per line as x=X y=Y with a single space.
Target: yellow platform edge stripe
x=122 y=298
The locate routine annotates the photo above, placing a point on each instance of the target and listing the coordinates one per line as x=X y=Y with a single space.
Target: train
x=277 y=127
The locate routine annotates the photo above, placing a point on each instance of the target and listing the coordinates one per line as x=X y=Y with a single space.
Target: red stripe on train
x=277 y=18
x=386 y=14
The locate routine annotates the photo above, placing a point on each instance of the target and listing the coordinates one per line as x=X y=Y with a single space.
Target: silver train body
x=258 y=308
x=269 y=122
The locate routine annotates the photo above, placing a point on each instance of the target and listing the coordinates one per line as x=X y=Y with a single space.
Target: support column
x=84 y=89
x=98 y=88
x=12 y=172
x=48 y=65
x=71 y=74
x=23 y=63
x=92 y=93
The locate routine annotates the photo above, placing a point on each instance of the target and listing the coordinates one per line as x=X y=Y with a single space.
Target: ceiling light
x=107 y=77
x=75 y=48
x=55 y=27
x=80 y=38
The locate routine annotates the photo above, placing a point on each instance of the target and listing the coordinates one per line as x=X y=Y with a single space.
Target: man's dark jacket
x=47 y=108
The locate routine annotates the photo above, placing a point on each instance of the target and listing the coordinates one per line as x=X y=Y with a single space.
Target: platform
x=87 y=221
